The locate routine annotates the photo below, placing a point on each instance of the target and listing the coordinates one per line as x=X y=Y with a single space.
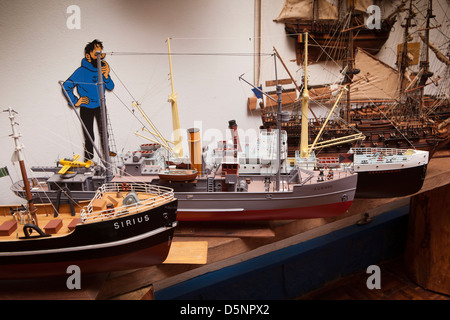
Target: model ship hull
x=390 y=182
x=91 y=248
x=310 y=200
x=383 y=172
x=178 y=175
x=331 y=46
x=289 y=211
x=121 y=243
x=306 y=201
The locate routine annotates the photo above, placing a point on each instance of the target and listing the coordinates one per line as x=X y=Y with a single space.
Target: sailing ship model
x=382 y=171
x=124 y=226
x=377 y=114
x=388 y=106
x=327 y=23
x=219 y=188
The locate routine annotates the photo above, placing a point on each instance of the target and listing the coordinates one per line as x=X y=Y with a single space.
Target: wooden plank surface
x=243 y=229
x=188 y=252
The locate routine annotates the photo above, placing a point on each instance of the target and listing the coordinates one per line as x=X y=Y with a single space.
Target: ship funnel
x=232 y=125
x=195 y=148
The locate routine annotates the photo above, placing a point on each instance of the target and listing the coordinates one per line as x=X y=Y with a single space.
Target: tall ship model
x=222 y=189
x=327 y=23
x=120 y=228
x=387 y=105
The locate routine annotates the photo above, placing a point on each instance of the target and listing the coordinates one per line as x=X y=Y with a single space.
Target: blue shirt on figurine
x=85 y=79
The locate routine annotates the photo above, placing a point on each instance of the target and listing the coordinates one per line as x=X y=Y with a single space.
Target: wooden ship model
x=387 y=105
x=222 y=189
x=124 y=226
x=328 y=24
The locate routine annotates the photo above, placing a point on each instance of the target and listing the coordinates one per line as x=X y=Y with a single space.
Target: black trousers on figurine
x=87 y=116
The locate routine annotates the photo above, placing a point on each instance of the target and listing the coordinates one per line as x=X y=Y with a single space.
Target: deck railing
x=161 y=195
x=383 y=151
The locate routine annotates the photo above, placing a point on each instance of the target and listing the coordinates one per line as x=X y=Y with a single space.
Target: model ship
x=229 y=185
x=233 y=185
x=376 y=114
x=124 y=226
x=223 y=189
x=382 y=172
x=329 y=22
x=388 y=106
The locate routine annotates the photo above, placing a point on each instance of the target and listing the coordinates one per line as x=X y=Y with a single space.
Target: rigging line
x=336 y=118
x=390 y=121
x=243 y=54
x=139 y=120
x=125 y=87
x=331 y=59
x=132 y=112
x=120 y=80
x=215 y=38
x=131 y=95
x=129 y=110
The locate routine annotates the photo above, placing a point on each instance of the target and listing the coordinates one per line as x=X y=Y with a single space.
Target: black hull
x=390 y=183
x=134 y=241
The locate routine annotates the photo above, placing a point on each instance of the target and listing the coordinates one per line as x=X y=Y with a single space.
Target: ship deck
x=232 y=247
x=107 y=206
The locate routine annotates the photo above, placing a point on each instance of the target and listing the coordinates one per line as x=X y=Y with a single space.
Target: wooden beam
x=272 y=83
x=428 y=246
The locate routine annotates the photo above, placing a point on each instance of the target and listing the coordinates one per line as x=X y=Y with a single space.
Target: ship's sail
x=376 y=79
x=396 y=107
x=329 y=23
x=306 y=9
x=296 y=9
x=317 y=9
x=362 y=5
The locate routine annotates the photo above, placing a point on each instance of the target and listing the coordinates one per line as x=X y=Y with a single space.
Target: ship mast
x=305 y=102
x=279 y=117
x=404 y=58
x=104 y=136
x=18 y=155
x=178 y=148
x=424 y=63
x=349 y=60
x=305 y=149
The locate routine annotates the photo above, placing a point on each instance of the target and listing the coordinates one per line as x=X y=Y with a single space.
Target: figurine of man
x=85 y=79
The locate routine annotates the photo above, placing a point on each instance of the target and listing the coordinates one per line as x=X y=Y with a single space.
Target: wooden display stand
x=428 y=248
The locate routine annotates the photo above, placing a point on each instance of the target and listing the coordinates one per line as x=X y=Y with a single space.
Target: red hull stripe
x=322 y=211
